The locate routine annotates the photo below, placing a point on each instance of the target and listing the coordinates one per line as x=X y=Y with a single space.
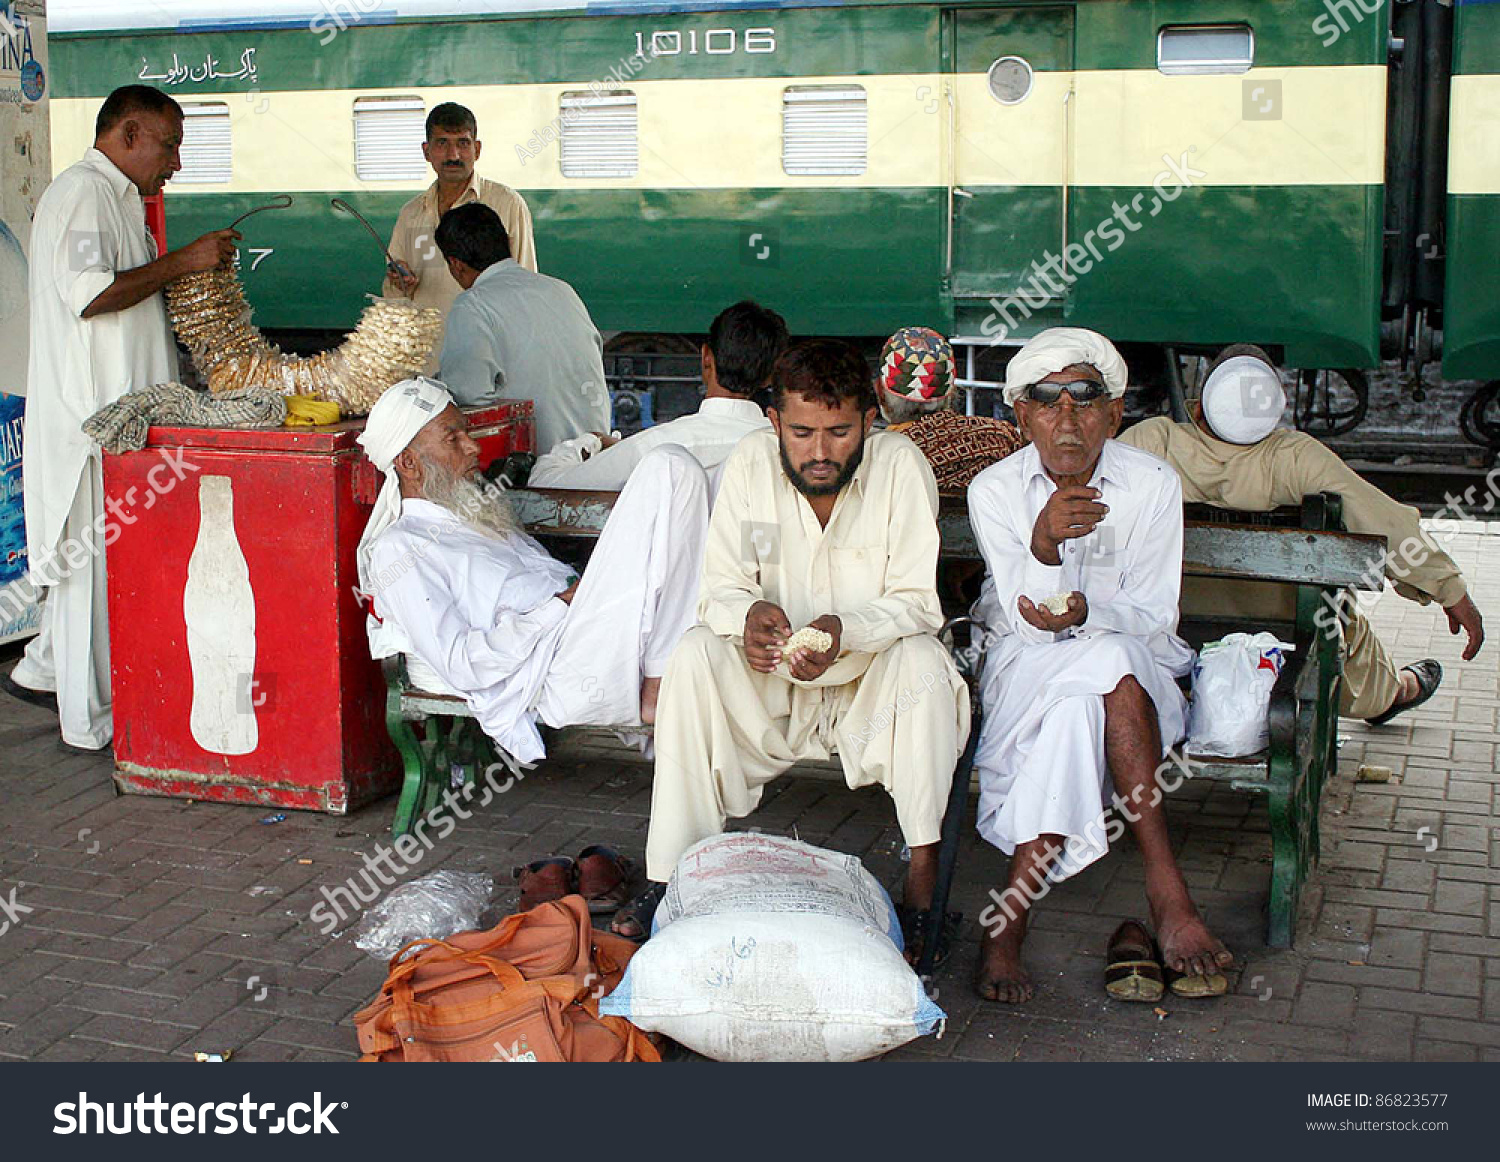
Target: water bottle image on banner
x=219 y=608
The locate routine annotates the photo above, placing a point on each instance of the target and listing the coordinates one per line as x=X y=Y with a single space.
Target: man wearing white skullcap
x=1082 y=543
x=1233 y=455
x=482 y=611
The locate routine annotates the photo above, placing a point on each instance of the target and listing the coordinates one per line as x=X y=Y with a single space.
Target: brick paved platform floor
x=157 y=927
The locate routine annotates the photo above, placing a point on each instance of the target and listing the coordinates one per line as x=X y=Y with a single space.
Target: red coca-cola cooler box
x=241 y=670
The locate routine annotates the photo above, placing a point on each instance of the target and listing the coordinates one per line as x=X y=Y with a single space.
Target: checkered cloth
x=122 y=426
x=959 y=447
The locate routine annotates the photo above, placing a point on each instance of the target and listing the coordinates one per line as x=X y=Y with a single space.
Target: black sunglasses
x=1082 y=391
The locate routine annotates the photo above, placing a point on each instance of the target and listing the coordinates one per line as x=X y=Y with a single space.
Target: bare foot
x=999 y=975
x=650 y=688
x=1187 y=946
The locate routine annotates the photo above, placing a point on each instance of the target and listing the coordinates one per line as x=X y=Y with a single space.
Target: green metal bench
x=1304 y=548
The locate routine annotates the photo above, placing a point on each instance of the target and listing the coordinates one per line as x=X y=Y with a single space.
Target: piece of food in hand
x=807 y=638
x=1057 y=604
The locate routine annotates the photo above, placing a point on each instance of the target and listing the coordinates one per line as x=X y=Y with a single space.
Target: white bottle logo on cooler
x=219 y=609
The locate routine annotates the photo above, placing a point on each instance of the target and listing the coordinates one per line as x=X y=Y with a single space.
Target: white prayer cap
x=398 y=415
x=1058 y=348
x=1243 y=399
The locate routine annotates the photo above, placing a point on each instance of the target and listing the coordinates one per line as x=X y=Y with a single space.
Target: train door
x=1008 y=183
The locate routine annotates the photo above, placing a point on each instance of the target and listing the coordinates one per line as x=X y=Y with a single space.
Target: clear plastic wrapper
x=435 y=906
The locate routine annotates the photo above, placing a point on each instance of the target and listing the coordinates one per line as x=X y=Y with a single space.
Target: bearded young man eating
x=1082 y=543
x=820 y=524
x=481 y=610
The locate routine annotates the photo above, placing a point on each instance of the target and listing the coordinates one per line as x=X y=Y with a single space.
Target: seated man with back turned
x=743 y=343
x=516 y=334
x=1233 y=455
x=1073 y=699
x=817 y=524
x=482 y=611
x=915 y=385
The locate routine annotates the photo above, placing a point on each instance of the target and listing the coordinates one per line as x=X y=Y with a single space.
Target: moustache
x=1068 y=442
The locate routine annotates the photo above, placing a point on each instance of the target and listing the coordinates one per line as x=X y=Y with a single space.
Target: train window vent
x=1205 y=48
x=825 y=130
x=206 y=153
x=600 y=134
x=388 y=136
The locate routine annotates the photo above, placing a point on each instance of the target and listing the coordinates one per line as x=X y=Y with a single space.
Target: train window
x=388 y=136
x=824 y=129
x=206 y=155
x=600 y=137
x=1010 y=80
x=1205 y=48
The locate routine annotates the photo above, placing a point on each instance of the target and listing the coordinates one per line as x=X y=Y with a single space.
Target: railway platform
x=145 y=929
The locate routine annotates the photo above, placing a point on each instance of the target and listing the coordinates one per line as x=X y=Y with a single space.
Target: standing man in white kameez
x=98 y=330
x=1075 y=698
x=818 y=524
x=482 y=611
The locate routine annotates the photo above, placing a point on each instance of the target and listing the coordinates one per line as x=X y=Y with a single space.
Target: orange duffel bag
x=526 y=990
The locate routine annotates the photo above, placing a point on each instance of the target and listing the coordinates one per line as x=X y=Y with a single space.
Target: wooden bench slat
x=1210 y=549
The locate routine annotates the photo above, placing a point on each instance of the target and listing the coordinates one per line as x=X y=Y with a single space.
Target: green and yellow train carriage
x=1176 y=173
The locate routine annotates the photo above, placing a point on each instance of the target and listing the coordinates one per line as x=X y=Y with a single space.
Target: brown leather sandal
x=604 y=877
x=637 y=914
x=545 y=880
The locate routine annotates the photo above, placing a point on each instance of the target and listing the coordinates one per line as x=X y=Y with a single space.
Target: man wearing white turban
x=1079 y=691
x=1233 y=455
x=482 y=611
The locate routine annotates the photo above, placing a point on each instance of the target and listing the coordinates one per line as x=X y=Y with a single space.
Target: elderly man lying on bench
x=482 y=611
x=1082 y=543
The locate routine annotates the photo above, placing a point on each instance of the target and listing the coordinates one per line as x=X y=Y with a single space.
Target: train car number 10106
x=714 y=42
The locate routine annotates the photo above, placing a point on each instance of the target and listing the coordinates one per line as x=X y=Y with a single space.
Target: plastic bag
x=437 y=905
x=1232 y=681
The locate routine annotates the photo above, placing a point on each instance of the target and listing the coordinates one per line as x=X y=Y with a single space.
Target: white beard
x=479 y=503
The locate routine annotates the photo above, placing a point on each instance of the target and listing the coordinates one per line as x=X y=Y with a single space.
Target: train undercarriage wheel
x=1480 y=416
x=1331 y=403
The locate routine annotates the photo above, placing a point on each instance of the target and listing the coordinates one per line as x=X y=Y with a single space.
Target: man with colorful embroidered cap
x=1082 y=541
x=1234 y=455
x=915 y=387
x=482 y=612
x=819 y=524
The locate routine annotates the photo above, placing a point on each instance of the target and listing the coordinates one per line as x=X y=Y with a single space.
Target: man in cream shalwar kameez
x=481 y=610
x=98 y=330
x=816 y=523
x=1079 y=701
x=1235 y=455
